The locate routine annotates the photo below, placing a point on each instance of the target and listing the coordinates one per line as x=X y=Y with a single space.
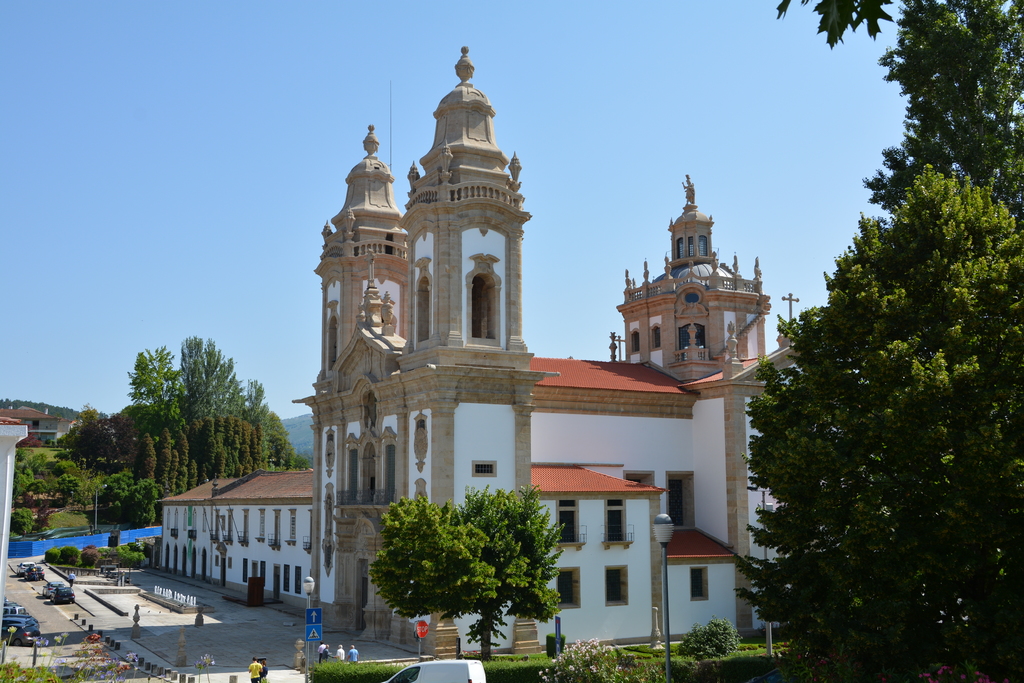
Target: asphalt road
x=53 y=619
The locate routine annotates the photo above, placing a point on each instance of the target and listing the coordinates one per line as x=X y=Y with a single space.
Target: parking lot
x=232 y=633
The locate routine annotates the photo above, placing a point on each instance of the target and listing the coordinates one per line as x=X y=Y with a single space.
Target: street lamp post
x=96 y=508
x=308 y=584
x=767 y=624
x=663 y=529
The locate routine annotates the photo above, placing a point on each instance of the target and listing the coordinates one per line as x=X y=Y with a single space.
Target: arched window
x=332 y=340
x=369 y=468
x=702 y=245
x=689 y=246
x=698 y=336
x=684 y=337
x=423 y=310
x=484 y=313
x=656 y=338
x=680 y=248
x=635 y=341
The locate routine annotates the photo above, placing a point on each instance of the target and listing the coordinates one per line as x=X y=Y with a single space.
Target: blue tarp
x=33 y=548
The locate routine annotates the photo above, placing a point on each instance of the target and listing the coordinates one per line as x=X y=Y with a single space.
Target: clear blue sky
x=166 y=168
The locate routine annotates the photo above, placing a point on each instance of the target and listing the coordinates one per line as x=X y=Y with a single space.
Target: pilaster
x=523 y=432
x=442 y=451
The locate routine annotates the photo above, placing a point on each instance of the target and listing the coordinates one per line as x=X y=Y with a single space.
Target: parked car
x=35 y=574
x=50 y=586
x=23 y=567
x=470 y=670
x=26 y=630
x=14 y=609
x=63 y=595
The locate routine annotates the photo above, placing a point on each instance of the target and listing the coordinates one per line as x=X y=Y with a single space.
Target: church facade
x=427 y=387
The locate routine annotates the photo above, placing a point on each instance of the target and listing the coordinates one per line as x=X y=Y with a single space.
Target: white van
x=447 y=671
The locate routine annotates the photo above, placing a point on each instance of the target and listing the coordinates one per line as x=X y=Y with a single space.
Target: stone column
x=514 y=291
x=523 y=430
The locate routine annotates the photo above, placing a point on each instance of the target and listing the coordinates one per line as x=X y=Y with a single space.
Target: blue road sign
x=314 y=615
x=313 y=632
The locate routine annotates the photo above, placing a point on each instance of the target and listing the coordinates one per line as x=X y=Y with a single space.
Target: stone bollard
x=191 y=679
x=90 y=625
x=233 y=678
x=106 y=640
x=76 y=617
x=117 y=644
x=148 y=666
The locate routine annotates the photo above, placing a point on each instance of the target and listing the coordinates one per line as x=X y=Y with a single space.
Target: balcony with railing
x=574 y=538
x=214 y=535
x=174 y=532
x=306 y=544
x=191 y=533
x=617 y=534
x=274 y=541
x=366 y=497
x=243 y=539
x=228 y=537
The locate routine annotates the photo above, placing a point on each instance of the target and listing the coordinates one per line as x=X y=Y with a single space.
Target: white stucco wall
x=709 y=490
x=424 y=246
x=649 y=444
x=493 y=244
x=594 y=618
x=684 y=612
x=484 y=432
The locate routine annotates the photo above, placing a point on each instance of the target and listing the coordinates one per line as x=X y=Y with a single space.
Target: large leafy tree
x=429 y=562
x=504 y=554
x=522 y=546
x=156 y=393
x=106 y=444
x=960 y=64
x=894 y=447
x=210 y=387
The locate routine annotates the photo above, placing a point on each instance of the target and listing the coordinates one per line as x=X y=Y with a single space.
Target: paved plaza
x=232 y=633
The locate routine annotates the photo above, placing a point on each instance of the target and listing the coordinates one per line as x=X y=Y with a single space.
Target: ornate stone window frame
x=485 y=268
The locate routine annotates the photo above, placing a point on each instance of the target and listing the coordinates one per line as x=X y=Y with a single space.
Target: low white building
x=226 y=531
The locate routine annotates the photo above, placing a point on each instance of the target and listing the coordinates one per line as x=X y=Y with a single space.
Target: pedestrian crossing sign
x=313 y=632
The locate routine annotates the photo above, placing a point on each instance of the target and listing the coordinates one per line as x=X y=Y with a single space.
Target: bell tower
x=363 y=241
x=464 y=219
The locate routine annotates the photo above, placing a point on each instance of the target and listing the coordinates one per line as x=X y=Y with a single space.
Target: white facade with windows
x=226 y=531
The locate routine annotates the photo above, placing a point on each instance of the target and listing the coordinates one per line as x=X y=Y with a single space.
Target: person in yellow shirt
x=255 y=669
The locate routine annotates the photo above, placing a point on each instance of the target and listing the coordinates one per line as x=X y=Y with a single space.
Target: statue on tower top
x=690 y=194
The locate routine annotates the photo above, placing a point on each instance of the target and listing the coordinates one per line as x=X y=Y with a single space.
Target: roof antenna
x=391 y=140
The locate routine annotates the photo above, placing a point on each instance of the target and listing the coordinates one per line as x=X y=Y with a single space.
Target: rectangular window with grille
x=698 y=583
x=245 y=569
x=675 y=502
x=298 y=579
x=567 y=518
x=287 y=577
x=656 y=338
x=353 y=470
x=684 y=337
x=615 y=586
x=568 y=586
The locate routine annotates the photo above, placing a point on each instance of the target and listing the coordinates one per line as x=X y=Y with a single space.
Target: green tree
x=67 y=487
x=22 y=521
x=107 y=444
x=129 y=556
x=115 y=494
x=278 y=452
x=894 y=447
x=145 y=461
x=960 y=64
x=142 y=502
x=156 y=393
x=836 y=17
x=210 y=387
x=522 y=547
x=428 y=562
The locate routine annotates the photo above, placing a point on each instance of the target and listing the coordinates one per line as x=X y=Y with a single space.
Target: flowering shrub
x=948 y=674
x=715 y=640
x=589 y=662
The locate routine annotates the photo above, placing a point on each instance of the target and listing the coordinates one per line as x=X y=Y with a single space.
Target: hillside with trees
x=185 y=424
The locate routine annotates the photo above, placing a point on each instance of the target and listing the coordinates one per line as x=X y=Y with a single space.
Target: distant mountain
x=59 y=411
x=300 y=434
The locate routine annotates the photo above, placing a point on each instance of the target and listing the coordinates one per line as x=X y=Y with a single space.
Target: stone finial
x=199 y=613
x=668 y=268
x=614 y=348
x=714 y=261
x=370 y=143
x=387 y=315
x=347 y=222
x=136 y=630
x=647 y=273
x=370 y=272
x=414 y=175
x=690 y=194
x=464 y=67
x=735 y=265
x=757 y=267
x=627 y=279
x=514 y=168
x=446 y=161
x=327 y=232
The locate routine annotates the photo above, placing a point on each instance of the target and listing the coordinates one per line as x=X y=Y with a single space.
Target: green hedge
x=364 y=672
x=550 y=643
x=515 y=672
x=741 y=669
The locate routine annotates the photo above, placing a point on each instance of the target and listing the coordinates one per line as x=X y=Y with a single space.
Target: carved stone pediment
x=366 y=356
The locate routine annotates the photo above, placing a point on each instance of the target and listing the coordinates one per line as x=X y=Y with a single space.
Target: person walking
x=255 y=671
x=340 y=654
x=263 y=670
x=353 y=655
x=325 y=651
x=71 y=580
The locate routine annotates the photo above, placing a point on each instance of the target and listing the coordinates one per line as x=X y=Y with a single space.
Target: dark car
x=25 y=631
x=35 y=574
x=63 y=595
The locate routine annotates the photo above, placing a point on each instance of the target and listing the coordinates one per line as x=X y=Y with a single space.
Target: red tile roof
x=692 y=543
x=716 y=376
x=9 y=421
x=576 y=479
x=595 y=374
x=259 y=484
x=29 y=414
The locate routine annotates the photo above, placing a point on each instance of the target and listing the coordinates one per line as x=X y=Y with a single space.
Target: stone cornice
x=613 y=402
